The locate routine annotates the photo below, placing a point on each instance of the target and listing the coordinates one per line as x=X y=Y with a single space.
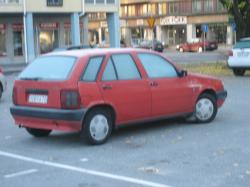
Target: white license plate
x=243 y=54
x=39 y=99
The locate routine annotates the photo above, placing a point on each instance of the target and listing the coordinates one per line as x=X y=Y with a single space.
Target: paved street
x=167 y=153
x=193 y=57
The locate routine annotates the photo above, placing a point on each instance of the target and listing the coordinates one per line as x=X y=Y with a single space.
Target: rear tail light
x=70 y=99
x=230 y=53
x=14 y=95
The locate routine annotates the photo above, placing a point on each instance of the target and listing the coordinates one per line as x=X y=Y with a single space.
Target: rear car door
x=123 y=87
x=171 y=94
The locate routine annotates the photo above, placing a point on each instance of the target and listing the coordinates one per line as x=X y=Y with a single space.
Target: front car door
x=123 y=87
x=171 y=94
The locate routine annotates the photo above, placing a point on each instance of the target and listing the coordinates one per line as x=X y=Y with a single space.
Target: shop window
x=67 y=37
x=48 y=40
x=198 y=31
x=2 y=43
x=18 y=43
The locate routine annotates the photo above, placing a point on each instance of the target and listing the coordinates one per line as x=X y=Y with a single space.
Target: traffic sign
x=151 y=22
x=233 y=25
x=204 y=27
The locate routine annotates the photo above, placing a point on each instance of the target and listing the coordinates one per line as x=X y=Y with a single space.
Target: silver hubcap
x=99 y=127
x=204 y=109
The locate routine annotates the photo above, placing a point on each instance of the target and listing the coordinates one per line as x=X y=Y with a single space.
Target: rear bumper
x=50 y=114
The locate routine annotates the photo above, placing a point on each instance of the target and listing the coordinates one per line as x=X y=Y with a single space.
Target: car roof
x=245 y=39
x=95 y=51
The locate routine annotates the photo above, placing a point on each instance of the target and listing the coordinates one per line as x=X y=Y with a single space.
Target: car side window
x=156 y=66
x=125 y=67
x=109 y=73
x=92 y=69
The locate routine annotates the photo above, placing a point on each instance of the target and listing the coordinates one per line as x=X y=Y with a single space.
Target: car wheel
x=97 y=126
x=200 y=50
x=181 y=50
x=205 y=108
x=38 y=132
x=239 y=72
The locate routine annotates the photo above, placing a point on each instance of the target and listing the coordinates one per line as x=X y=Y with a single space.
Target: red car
x=197 y=46
x=94 y=91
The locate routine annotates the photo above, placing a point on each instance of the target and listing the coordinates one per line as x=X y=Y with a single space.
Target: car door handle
x=153 y=84
x=106 y=87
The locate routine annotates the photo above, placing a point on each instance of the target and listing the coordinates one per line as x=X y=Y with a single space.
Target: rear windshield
x=242 y=44
x=49 y=68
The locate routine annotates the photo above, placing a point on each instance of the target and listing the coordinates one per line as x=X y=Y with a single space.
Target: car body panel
x=3 y=82
x=195 y=45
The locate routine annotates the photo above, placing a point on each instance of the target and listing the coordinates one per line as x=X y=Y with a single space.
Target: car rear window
x=49 y=68
x=242 y=44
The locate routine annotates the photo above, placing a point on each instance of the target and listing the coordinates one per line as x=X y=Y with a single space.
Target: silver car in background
x=239 y=57
x=3 y=83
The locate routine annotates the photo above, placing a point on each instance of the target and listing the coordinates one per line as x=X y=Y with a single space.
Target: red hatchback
x=94 y=91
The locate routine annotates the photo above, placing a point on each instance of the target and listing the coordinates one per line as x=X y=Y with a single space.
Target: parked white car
x=3 y=83
x=239 y=57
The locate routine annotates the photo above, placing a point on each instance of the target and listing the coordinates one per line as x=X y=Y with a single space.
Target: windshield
x=49 y=68
x=242 y=44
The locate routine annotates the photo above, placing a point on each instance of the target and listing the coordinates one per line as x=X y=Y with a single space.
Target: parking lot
x=168 y=153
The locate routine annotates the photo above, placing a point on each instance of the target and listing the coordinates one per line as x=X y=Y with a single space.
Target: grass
x=213 y=68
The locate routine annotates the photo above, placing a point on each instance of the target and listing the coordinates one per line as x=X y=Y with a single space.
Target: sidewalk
x=13 y=68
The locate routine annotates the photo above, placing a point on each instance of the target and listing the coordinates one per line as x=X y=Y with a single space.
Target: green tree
x=239 y=10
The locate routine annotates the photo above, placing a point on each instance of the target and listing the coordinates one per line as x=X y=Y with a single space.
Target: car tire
x=199 y=50
x=97 y=126
x=239 y=72
x=38 y=132
x=205 y=108
x=1 y=91
x=181 y=50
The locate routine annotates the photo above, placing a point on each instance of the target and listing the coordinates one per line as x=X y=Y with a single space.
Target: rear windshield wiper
x=31 y=78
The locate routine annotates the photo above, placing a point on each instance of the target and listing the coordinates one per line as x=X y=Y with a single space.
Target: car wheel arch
x=209 y=91
x=101 y=106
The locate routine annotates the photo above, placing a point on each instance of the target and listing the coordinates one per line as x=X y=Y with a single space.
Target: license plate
x=243 y=54
x=39 y=99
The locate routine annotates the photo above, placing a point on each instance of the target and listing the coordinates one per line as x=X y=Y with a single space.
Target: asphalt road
x=194 y=58
x=168 y=153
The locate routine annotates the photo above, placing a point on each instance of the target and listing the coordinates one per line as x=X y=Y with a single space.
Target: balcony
x=100 y=2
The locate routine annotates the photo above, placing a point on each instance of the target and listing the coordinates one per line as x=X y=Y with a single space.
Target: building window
x=220 y=7
x=152 y=9
x=131 y=10
x=54 y=2
x=173 y=7
x=99 y=1
x=124 y=11
x=10 y=1
x=196 y=6
x=162 y=8
x=208 y=6
x=110 y=1
x=2 y=40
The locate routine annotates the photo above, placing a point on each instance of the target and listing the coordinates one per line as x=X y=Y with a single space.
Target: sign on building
x=173 y=20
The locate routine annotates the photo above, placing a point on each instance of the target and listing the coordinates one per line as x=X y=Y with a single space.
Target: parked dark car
x=197 y=46
x=156 y=45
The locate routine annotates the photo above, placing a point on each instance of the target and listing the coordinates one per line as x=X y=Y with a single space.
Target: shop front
x=173 y=29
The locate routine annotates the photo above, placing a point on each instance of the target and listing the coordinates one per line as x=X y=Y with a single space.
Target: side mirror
x=183 y=73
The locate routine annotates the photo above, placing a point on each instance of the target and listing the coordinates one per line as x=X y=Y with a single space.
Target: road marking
x=84 y=160
x=83 y=170
x=26 y=172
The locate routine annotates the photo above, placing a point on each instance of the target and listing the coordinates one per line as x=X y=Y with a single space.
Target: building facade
x=30 y=28
x=176 y=21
